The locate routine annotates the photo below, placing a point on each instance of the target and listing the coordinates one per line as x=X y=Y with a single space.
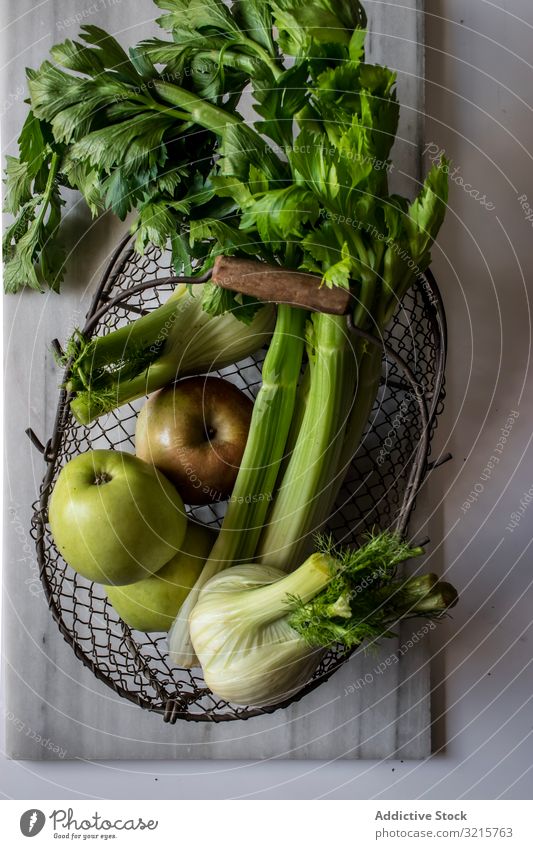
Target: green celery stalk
x=312 y=469
x=258 y=472
x=201 y=111
x=368 y=381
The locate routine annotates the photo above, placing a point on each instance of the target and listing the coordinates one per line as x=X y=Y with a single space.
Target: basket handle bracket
x=36 y=442
x=435 y=464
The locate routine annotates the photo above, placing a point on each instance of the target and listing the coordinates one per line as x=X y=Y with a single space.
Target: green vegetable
x=32 y=255
x=260 y=634
x=140 y=130
x=377 y=251
x=125 y=133
x=174 y=340
x=253 y=490
x=316 y=452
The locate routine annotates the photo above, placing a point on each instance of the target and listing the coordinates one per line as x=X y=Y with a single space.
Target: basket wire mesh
x=379 y=489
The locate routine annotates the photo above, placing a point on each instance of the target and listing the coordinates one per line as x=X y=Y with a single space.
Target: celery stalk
x=263 y=454
x=312 y=469
x=368 y=380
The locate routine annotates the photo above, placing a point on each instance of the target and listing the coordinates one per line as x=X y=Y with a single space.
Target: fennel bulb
x=249 y=653
x=260 y=634
x=175 y=340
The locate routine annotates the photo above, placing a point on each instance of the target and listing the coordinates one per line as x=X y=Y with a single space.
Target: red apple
x=195 y=433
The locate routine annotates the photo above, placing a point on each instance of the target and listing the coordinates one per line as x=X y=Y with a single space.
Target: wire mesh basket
x=379 y=490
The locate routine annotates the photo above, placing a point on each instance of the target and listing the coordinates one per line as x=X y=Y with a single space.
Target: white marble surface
x=48 y=690
x=478 y=107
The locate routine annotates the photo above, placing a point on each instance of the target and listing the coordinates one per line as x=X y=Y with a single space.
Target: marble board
x=55 y=708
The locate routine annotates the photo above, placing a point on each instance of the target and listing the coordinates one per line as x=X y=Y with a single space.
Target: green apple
x=114 y=518
x=154 y=603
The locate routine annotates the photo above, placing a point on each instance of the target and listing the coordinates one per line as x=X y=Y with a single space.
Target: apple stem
x=102 y=477
x=210 y=433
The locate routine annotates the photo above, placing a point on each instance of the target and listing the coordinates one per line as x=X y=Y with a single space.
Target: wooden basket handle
x=279 y=285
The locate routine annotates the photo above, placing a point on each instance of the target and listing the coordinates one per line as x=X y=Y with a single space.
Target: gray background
x=478 y=106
